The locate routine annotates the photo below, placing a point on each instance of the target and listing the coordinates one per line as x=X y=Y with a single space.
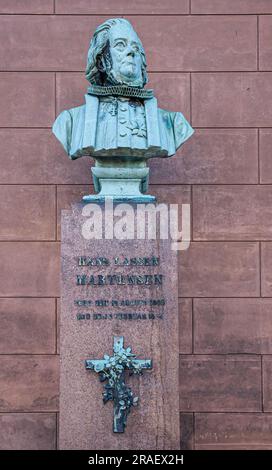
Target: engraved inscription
x=139 y=279
x=119 y=316
x=119 y=279
x=119 y=303
x=118 y=261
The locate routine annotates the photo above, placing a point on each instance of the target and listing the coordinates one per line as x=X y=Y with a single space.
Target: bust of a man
x=120 y=118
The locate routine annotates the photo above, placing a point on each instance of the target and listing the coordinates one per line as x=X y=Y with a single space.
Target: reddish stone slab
x=267 y=383
x=29 y=208
x=122 y=7
x=265 y=36
x=266 y=275
x=29 y=383
x=219 y=269
x=27 y=431
x=195 y=43
x=199 y=43
x=17 y=108
x=232 y=326
x=71 y=88
x=29 y=269
x=232 y=212
x=54 y=47
x=220 y=383
x=211 y=156
x=187 y=431
x=42 y=159
x=231 y=6
x=69 y=194
x=185 y=326
x=265 y=155
x=227 y=431
x=58 y=324
x=172 y=91
x=27 y=6
x=244 y=99
x=85 y=423
x=27 y=326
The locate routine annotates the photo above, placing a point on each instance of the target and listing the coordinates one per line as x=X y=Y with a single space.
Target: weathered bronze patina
x=112 y=369
x=120 y=125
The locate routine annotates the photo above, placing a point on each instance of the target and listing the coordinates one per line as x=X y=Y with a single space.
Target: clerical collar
x=120 y=90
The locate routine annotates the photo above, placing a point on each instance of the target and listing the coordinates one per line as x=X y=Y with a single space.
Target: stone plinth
x=93 y=311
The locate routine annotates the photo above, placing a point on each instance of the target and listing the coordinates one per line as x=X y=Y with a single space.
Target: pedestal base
x=117 y=288
x=120 y=184
x=141 y=199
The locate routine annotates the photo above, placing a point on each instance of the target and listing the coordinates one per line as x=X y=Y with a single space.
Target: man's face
x=125 y=55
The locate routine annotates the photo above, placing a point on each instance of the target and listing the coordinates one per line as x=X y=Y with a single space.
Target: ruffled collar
x=120 y=90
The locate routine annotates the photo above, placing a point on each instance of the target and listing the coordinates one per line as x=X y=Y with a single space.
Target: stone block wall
x=211 y=59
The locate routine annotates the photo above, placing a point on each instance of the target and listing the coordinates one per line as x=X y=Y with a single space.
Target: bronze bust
x=120 y=124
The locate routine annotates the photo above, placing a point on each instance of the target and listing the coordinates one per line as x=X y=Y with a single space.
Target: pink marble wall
x=212 y=59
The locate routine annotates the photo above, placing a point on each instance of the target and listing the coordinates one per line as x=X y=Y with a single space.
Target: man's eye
x=120 y=45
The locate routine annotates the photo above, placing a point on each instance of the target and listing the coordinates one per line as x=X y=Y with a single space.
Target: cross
x=113 y=369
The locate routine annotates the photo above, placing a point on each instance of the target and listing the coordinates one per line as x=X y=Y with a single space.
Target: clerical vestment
x=121 y=126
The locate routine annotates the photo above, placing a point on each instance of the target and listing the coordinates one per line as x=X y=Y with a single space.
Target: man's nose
x=130 y=50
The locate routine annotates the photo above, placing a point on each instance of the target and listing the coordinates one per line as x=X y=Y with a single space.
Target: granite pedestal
x=135 y=297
